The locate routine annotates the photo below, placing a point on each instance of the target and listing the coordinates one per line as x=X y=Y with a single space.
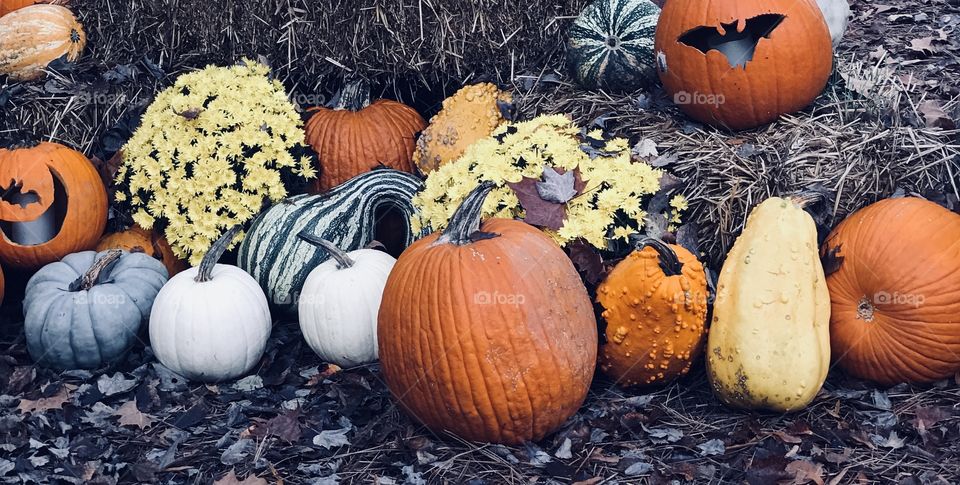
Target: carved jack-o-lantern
x=52 y=203
x=741 y=64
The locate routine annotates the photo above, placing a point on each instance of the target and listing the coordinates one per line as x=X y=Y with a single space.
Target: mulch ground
x=298 y=420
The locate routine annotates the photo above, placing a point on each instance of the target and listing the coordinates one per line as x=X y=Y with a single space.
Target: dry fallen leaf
x=231 y=479
x=804 y=471
x=923 y=45
x=45 y=404
x=787 y=438
x=935 y=117
x=130 y=415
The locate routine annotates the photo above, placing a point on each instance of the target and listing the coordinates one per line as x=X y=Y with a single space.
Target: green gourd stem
x=214 y=254
x=89 y=279
x=669 y=262
x=343 y=261
x=354 y=96
x=466 y=220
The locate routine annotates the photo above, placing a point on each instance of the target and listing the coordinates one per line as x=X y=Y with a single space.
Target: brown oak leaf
x=130 y=415
x=231 y=479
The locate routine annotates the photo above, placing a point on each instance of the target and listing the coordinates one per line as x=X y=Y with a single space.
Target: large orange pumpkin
x=896 y=294
x=486 y=331
x=7 y=6
x=139 y=239
x=53 y=186
x=357 y=136
x=655 y=307
x=34 y=36
x=741 y=64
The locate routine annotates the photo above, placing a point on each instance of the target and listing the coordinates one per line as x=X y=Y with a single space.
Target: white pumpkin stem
x=353 y=96
x=342 y=259
x=464 y=226
x=214 y=254
x=89 y=279
x=669 y=262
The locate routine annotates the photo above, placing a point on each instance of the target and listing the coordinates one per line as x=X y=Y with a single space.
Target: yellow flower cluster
x=610 y=207
x=208 y=151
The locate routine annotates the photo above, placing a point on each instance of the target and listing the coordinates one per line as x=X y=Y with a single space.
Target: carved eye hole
x=737 y=45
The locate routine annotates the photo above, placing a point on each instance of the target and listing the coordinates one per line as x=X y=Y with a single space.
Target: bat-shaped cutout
x=736 y=40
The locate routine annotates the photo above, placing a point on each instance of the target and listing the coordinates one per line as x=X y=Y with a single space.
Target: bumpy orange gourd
x=741 y=64
x=61 y=180
x=357 y=136
x=151 y=243
x=470 y=114
x=34 y=36
x=655 y=307
x=487 y=332
x=896 y=295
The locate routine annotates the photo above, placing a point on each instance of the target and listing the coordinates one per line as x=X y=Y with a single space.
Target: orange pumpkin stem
x=89 y=279
x=669 y=261
x=464 y=226
x=343 y=261
x=214 y=254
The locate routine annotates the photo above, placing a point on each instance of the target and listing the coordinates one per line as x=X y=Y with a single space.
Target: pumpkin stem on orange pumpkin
x=343 y=261
x=213 y=255
x=669 y=261
x=464 y=226
x=89 y=279
x=353 y=96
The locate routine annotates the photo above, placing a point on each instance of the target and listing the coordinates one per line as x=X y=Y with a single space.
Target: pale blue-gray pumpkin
x=85 y=311
x=611 y=45
x=372 y=206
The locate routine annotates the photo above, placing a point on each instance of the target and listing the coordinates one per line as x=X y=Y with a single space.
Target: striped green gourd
x=611 y=45
x=372 y=206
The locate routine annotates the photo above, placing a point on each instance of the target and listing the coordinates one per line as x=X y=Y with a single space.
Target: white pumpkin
x=211 y=322
x=836 y=13
x=340 y=301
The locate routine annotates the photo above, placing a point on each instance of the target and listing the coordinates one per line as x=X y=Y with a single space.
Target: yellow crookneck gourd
x=769 y=345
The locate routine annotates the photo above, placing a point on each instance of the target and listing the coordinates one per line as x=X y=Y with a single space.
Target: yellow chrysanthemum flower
x=209 y=150
x=609 y=208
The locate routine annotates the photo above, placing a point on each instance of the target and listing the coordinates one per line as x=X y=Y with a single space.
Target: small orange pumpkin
x=895 y=294
x=151 y=243
x=655 y=306
x=34 y=36
x=486 y=331
x=53 y=196
x=741 y=64
x=357 y=136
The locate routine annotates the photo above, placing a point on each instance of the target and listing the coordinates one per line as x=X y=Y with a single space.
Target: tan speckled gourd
x=655 y=307
x=769 y=344
x=470 y=114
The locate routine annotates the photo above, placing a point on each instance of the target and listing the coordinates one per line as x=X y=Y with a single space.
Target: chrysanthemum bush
x=210 y=149
x=610 y=206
